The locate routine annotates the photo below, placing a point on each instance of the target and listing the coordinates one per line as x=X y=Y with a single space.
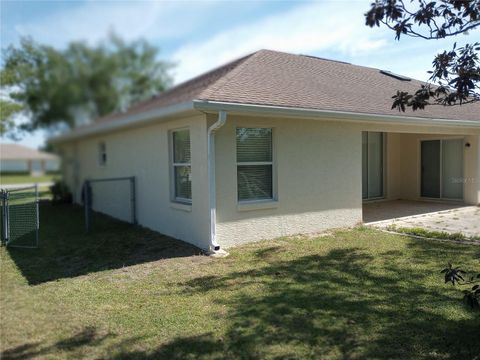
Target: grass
x=10 y=179
x=125 y=292
x=441 y=235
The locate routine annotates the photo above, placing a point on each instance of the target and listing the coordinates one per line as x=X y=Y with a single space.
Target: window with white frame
x=182 y=169
x=254 y=164
x=102 y=153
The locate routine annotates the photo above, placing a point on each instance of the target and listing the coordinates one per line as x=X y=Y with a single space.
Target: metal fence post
x=7 y=218
x=4 y=217
x=133 y=200
x=38 y=215
x=86 y=204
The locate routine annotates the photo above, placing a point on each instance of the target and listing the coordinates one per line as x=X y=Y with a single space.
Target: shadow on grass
x=86 y=337
x=65 y=250
x=338 y=306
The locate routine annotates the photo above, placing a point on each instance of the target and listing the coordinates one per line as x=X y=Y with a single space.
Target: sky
x=200 y=35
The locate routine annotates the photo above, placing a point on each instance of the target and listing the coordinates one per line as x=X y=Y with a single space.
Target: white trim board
x=265 y=110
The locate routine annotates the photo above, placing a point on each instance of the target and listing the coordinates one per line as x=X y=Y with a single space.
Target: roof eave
x=139 y=119
x=283 y=111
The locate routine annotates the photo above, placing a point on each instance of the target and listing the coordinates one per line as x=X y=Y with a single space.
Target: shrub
x=60 y=193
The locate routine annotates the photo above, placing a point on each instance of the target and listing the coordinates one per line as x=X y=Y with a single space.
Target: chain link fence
x=115 y=197
x=20 y=217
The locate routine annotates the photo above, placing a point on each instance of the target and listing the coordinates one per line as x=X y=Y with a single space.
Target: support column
x=478 y=170
x=472 y=170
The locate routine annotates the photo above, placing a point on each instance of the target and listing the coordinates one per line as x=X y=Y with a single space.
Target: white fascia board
x=128 y=121
x=266 y=110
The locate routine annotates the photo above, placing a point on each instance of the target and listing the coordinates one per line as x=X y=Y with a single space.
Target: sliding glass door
x=430 y=158
x=442 y=169
x=372 y=165
x=452 y=173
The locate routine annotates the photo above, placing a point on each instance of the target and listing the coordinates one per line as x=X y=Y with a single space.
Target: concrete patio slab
x=433 y=216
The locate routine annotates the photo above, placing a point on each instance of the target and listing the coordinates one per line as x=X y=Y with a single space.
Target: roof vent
x=395 y=76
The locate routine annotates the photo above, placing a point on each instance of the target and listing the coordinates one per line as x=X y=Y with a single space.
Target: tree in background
x=455 y=78
x=8 y=110
x=61 y=88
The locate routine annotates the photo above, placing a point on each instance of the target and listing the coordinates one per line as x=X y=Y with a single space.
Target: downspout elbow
x=222 y=119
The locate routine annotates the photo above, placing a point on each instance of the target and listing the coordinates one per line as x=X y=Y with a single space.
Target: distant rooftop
x=20 y=152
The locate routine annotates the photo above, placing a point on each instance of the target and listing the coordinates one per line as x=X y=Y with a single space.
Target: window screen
x=254 y=164
x=182 y=170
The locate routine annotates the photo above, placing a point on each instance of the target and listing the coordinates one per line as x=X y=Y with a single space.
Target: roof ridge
x=233 y=63
x=204 y=74
x=225 y=79
x=315 y=57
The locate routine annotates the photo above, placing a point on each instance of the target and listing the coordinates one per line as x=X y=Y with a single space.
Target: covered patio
x=429 y=215
x=395 y=209
x=420 y=166
x=421 y=179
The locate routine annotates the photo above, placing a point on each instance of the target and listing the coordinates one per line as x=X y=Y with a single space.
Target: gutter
x=222 y=119
x=283 y=111
x=130 y=120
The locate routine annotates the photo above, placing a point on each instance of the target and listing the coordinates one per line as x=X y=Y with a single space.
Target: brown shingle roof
x=280 y=79
x=187 y=91
x=20 y=152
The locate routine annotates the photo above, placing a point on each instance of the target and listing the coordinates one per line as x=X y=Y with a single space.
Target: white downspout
x=222 y=119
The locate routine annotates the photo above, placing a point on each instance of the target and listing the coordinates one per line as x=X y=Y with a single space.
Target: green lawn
x=125 y=292
x=7 y=179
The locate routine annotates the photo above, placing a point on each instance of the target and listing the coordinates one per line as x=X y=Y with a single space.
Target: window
x=254 y=164
x=102 y=154
x=372 y=165
x=182 y=169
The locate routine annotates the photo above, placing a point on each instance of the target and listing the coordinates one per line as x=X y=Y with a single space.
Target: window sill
x=257 y=205
x=181 y=206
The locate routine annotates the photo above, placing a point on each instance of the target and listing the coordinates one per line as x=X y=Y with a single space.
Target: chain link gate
x=20 y=217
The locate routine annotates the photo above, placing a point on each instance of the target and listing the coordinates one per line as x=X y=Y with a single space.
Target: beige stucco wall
x=393 y=175
x=145 y=153
x=318 y=175
x=68 y=165
x=318 y=180
x=317 y=171
x=472 y=170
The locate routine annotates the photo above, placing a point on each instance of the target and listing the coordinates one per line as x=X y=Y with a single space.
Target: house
x=275 y=144
x=15 y=158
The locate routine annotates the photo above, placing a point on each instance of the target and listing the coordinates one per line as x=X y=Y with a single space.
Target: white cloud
x=327 y=28
x=92 y=21
x=309 y=28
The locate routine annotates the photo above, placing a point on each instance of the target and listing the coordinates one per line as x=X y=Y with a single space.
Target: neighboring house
x=277 y=144
x=16 y=158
